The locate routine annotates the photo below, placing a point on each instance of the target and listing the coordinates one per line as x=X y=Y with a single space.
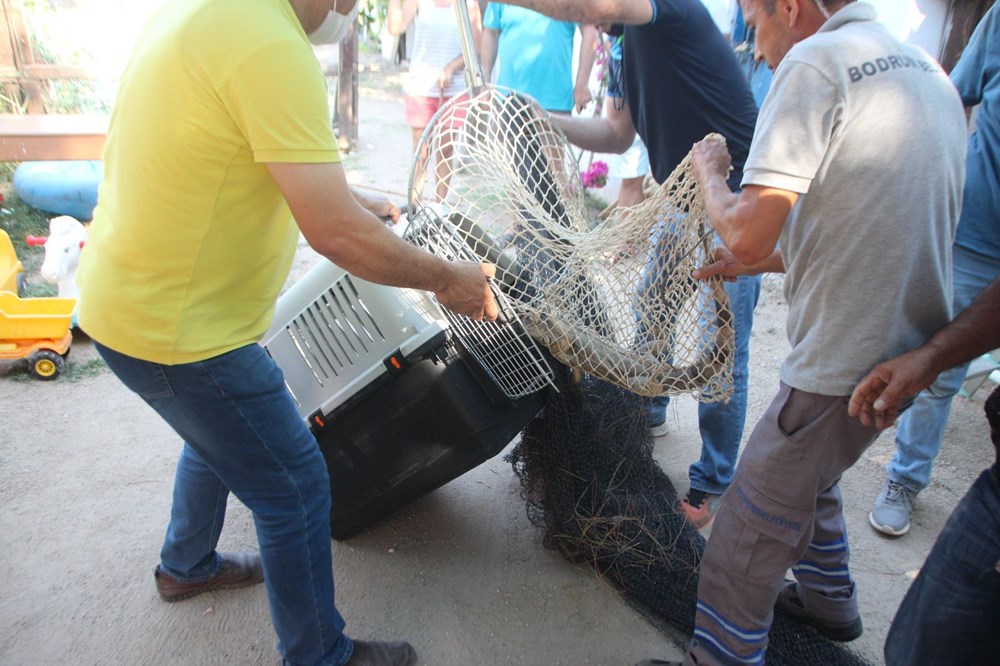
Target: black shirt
x=681 y=81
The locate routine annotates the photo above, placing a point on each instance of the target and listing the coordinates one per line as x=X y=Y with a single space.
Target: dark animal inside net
x=615 y=300
x=589 y=478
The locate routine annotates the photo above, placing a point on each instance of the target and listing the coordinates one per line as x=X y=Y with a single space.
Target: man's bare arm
x=377 y=204
x=399 y=15
x=589 y=37
x=488 y=52
x=749 y=223
x=612 y=133
x=339 y=228
x=592 y=12
x=728 y=267
x=878 y=396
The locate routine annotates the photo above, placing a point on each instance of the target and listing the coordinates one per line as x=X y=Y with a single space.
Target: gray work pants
x=783 y=510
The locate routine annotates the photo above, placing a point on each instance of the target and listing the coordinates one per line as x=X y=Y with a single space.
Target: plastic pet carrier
x=401 y=396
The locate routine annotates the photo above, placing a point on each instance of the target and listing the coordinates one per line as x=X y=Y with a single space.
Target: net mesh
x=503 y=348
x=617 y=309
x=616 y=300
x=589 y=478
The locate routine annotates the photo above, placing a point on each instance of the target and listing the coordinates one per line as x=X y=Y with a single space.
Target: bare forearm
x=594 y=134
x=337 y=226
x=973 y=333
x=335 y=222
x=395 y=20
x=488 y=52
x=364 y=200
x=592 y=12
x=457 y=64
x=361 y=244
x=749 y=223
x=720 y=204
x=588 y=53
x=879 y=395
x=772 y=264
x=729 y=218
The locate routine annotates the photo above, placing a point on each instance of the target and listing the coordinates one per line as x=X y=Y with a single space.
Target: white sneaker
x=891 y=512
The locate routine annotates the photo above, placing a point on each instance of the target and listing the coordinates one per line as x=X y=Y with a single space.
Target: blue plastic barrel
x=62 y=188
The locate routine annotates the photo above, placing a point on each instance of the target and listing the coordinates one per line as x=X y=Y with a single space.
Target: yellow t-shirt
x=191 y=239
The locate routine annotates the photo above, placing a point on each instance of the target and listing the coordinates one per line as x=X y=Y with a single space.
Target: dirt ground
x=86 y=471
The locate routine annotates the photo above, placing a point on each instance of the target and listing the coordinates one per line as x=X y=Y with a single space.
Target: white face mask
x=334 y=27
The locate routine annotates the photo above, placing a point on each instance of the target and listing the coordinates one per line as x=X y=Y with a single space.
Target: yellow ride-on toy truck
x=10 y=267
x=36 y=329
x=33 y=328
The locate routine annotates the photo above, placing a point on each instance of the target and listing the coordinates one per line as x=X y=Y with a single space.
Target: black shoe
x=659 y=662
x=373 y=653
x=789 y=604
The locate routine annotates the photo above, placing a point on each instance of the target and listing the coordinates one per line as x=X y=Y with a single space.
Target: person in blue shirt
x=756 y=70
x=535 y=56
x=951 y=612
x=976 y=256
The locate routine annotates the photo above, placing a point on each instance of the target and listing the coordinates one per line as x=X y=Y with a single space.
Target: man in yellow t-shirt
x=219 y=153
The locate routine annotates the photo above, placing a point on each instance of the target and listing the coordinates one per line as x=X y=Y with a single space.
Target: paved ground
x=85 y=478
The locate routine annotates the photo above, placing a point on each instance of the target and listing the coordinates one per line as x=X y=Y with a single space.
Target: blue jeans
x=721 y=423
x=243 y=434
x=951 y=612
x=918 y=436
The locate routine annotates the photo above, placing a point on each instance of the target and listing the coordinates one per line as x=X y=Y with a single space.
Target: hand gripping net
x=616 y=301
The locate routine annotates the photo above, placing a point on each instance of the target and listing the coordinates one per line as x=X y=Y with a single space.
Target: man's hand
x=878 y=397
x=468 y=291
x=378 y=205
x=725 y=265
x=710 y=157
x=444 y=78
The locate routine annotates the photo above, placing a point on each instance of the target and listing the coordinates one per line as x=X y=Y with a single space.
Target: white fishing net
x=614 y=299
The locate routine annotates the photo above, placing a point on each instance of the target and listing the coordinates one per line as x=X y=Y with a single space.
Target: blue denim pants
x=918 y=436
x=722 y=423
x=243 y=434
x=951 y=613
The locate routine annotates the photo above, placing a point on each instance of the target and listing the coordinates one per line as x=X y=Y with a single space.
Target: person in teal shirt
x=536 y=56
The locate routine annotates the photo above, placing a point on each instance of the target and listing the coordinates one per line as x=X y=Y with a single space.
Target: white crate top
x=332 y=331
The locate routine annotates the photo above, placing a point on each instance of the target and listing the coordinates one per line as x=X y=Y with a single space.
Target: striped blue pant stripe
x=840 y=573
x=739 y=633
x=830 y=546
x=707 y=637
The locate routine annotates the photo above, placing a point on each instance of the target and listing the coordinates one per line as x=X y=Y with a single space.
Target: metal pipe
x=473 y=71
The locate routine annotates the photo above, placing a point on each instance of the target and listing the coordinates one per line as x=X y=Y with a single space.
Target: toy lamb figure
x=62 y=255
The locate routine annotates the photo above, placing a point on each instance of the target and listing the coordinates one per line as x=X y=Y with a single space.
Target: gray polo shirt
x=871 y=134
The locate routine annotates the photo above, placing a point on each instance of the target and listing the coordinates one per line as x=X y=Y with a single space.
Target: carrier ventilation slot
x=334 y=331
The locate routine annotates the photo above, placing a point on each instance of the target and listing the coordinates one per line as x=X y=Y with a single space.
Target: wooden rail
x=25 y=138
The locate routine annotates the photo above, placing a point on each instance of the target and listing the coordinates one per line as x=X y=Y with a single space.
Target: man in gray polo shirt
x=856 y=166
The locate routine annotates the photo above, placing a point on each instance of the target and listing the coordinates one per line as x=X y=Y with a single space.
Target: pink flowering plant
x=596 y=176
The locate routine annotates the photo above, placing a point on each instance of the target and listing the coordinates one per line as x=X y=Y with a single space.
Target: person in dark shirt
x=679 y=81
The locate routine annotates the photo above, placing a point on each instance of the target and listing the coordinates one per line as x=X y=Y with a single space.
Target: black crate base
x=427 y=426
